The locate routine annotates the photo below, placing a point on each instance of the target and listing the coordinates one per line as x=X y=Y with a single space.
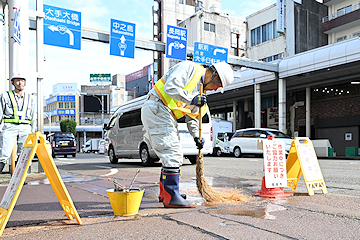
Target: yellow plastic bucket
x=125 y=203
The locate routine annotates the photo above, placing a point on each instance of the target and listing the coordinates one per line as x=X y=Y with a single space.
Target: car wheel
x=112 y=156
x=74 y=155
x=146 y=160
x=217 y=152
x=237 y=152
x=192 y=159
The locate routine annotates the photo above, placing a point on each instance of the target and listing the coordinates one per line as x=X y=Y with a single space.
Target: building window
x=209 y=27
x=181 y=1
x=272 y=58
x=343 y=11
x=356 y=34
x=72 y=105
x=61 y=105
x=341 y=39
x=264 y=33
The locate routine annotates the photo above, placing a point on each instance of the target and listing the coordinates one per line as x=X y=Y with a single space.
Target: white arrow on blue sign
x=209 y=54
x=62 y=27
x=176 y=42
x=122 y=38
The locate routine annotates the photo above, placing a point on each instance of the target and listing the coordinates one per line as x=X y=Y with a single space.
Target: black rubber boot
x=170 y=182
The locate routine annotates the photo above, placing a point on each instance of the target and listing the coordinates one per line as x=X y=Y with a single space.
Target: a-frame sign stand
x=302 y=159
x=18 y=178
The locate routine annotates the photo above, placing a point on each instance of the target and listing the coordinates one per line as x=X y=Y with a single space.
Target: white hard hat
x=17 y=75
x=225 y=72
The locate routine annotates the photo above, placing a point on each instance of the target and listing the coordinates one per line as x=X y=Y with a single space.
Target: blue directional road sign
x=209 y=54
x=122 y=38
x=62 y=27
x=176 y=42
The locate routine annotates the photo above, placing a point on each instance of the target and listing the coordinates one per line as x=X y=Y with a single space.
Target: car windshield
x=64 y=138
x=278 y=134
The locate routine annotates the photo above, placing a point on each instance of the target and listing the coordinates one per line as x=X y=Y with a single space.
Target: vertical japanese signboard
x=62 y=27
x=122 y=38
x=274 y=163
x=280 y=16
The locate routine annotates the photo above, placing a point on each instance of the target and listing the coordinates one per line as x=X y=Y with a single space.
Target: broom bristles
x=207 y=192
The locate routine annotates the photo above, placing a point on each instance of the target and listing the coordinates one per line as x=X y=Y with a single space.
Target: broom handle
x=200 y=117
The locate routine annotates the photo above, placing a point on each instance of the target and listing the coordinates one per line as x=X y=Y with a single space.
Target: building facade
x=62 y=104
x=204 y=23
x=268 y=39
x=342 y=21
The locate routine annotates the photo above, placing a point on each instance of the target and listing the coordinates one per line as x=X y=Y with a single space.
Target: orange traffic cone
x=271 y=192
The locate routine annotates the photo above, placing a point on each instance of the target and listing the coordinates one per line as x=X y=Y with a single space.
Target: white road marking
x=63 y=162
x=112 y=172
x=103 y=167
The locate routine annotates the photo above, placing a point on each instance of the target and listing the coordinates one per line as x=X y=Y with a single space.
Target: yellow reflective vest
x=178 y=108
x=16 y=118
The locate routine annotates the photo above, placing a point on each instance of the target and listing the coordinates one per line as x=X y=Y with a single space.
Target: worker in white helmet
x=175 y=96
x=18 y=115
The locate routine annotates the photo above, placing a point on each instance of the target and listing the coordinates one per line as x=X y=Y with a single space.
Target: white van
x=221 y=135
x=124 y=136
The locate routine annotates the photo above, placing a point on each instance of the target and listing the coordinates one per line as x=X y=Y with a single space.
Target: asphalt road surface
x=323 y=216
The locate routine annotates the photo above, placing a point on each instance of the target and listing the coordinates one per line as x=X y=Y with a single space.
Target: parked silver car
x=245 y=141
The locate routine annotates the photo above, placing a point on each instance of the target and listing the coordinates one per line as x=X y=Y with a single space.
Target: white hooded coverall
x=159 y=122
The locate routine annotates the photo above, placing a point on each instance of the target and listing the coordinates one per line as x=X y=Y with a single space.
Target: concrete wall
x=333 y=117
x=308 y=28
x=337 y=138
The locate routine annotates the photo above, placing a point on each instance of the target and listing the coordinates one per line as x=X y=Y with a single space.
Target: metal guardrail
x=341 y=13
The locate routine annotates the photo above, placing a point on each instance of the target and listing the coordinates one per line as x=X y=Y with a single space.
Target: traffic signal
x=86 y=119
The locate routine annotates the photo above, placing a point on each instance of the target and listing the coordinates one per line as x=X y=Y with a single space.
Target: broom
x=206 y=191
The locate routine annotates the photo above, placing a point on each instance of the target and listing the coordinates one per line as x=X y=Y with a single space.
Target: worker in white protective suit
x=18 y=115
x=174 y=96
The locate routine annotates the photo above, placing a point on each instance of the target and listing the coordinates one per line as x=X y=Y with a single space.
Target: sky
x=64 y=65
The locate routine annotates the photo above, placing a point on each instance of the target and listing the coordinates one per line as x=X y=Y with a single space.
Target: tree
x=68 y=126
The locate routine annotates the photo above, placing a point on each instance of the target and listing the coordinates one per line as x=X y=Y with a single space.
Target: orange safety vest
x=178 y=108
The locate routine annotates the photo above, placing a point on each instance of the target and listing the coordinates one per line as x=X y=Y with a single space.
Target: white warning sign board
x=15 y=178
x=310 y=164
x=274 y=163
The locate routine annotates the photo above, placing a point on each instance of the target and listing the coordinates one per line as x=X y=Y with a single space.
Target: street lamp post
x=48 y=115
x=102 y=111
x=101 y=101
